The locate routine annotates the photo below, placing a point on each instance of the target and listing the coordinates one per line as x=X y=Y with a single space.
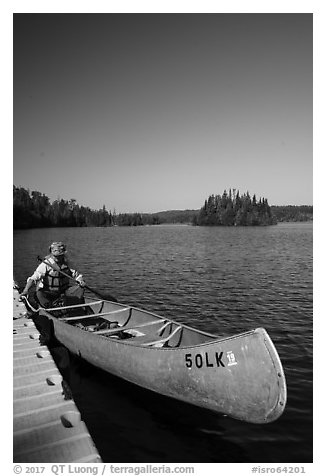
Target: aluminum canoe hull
x=240 y=376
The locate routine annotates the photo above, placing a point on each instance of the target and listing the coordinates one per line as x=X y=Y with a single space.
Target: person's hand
x=82 y=283
x=22 y=295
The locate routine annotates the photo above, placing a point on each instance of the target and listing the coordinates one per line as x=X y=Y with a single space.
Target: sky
x=151 y=112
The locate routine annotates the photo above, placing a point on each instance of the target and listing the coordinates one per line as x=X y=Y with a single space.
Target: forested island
x=34 y=210
x=231 y=209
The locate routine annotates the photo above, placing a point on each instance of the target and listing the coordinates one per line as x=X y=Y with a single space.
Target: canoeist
x=51 y=279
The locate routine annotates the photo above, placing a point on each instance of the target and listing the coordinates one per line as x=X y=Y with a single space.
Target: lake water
x=223 y=280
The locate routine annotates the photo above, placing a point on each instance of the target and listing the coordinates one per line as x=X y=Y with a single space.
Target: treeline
x=293 y=213
x=281 y=213
x=34 y=210
x=173 y=216
x=231 y=209
x=135 y=219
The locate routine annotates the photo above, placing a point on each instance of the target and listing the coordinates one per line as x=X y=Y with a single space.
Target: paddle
x=106 y=297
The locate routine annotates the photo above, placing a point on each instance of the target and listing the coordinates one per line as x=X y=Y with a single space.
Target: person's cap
x=58 y=248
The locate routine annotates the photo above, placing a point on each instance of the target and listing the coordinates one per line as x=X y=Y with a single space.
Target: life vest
x=53 y=281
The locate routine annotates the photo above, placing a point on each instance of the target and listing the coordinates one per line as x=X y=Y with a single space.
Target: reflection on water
x=223 y=280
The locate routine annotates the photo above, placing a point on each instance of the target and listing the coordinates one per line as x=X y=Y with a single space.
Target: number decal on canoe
x=231 y=358
x=210 y=360
x=199 y=360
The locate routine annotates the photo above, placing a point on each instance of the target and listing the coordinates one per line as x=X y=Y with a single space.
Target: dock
x=47 y=425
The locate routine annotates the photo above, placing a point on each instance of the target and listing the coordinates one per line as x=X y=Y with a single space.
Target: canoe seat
x=144 y=338
x=150 y=341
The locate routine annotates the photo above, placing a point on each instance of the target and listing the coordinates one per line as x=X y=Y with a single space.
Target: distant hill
x=293 y=212
x=173 y=216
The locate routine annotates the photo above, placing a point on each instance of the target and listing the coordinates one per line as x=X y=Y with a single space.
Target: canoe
x=240 y=376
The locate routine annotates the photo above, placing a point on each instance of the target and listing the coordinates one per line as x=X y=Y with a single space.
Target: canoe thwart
x=99 y=314
x=74 y=306
x=127 y=328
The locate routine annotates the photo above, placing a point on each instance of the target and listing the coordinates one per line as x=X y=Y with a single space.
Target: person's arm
x=78 y=277
x=35 y=278
x=29 y=284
